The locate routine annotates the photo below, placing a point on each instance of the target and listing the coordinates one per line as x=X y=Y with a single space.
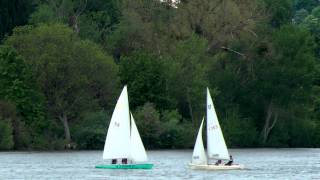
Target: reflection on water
x=260 y=164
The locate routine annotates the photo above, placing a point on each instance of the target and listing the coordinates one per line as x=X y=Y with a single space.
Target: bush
x=238 y=131
x=146 y=78
x=21 y=136
x=6 y=138
x=175 y=134
x=170 y=133
x=316 y=135
x=90 y=131
x=279 y=136
x=303 y=133
x=148 y=122
x=49 y=136
x=13 y=125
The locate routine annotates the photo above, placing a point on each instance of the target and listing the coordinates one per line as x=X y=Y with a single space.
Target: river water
x=260 y=164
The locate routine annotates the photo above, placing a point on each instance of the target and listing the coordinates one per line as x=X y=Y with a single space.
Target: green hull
x=125 y=166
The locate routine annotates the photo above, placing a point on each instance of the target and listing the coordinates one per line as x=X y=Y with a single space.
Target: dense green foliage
x=6 y=141
x=73 y=75
x=63 y=64
x=14 y=13
x=146 y=77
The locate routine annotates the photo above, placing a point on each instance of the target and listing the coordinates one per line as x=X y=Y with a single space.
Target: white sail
x=117 y=143
x=216 y=145
x=199 y=155
x=138 y=153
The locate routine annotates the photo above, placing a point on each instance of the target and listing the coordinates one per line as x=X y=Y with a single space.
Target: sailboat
x=123 y=146
x=216 y=145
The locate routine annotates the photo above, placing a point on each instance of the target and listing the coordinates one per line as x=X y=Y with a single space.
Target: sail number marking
x=209 y=106
x=214 y=155
x=213 y=127
x=116 y=124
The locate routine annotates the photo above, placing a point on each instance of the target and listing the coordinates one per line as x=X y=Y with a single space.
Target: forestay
x=117 y=143
x=216 y=145
x=199 y=155
x=138 y=153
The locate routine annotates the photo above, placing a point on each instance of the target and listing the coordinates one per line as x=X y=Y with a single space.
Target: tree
x=92 y=19
x=186 y=69
x=90 y=131
x=286 y=76
x=99 y=20
x=300 y=16
x=6 y=139
x=23 y=100
x=7 y=116
x=176 y=133
x=142 y=25
x=306 y=4
x=147 y=80
x=312 y=23
x=148 y=123
x=267 y=85
x=14 y=13
x=19 y=87
x=238 y=131
x=220 y=22
x=75 y=76
x=280 y=12
x=63 y=11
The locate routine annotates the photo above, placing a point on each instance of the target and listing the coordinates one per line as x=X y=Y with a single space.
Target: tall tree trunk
x=73 y=23
x=63 y=118
x=271 y=120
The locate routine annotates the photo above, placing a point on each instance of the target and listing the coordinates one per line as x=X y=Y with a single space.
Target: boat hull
x=125 y=166
x=216 y=167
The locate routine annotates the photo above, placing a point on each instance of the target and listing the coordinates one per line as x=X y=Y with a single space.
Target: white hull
x=216 y=167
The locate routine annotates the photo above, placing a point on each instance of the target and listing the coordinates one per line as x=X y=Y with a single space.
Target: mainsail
x=138 y=153
x=216 y=145
x=199 y=155
x=117 y=143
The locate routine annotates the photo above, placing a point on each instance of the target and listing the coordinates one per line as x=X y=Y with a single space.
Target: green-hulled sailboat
x=123 y=147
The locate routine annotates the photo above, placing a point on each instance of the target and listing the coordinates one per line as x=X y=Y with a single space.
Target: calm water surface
x=260 y=163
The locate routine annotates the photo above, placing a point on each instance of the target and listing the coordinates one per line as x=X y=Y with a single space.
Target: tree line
x=63 y=64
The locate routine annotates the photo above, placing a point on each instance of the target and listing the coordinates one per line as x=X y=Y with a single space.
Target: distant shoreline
x=254 y=148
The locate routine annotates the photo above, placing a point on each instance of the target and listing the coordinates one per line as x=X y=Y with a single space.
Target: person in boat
x=114 y=161
x=124 y=161
x=218 y=162
x=230 y=161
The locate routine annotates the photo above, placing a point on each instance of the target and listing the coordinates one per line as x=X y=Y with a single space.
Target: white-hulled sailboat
x=216 y=146
x=123 y=147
